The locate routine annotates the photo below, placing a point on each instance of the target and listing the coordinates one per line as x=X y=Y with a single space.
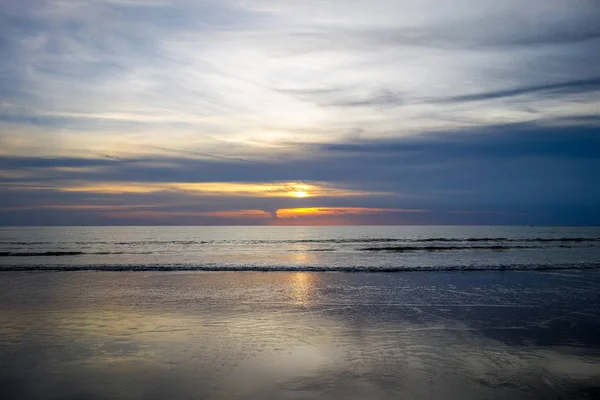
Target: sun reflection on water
x=302 y=284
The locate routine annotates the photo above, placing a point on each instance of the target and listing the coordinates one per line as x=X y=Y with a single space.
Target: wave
x=59 y=253
x=438 y=239
x=257 y=268
x=40 y=254
x=503 y=239
x=340 y=241
x=26 y=243
x=137 y=242
x=422 y=240
x=400 y=249
x=187 y=242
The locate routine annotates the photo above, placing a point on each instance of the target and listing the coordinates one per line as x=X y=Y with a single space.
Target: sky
x=313 y=112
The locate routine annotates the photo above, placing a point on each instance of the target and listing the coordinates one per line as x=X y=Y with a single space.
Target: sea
x=301 y=248
x=300 y=313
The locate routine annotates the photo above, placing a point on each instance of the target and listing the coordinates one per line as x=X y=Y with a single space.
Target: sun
x=300 y=193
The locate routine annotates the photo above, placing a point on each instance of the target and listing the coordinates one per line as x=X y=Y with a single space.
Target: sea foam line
x=291 y=268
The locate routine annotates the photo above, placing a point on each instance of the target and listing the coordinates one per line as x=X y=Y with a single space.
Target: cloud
x=504 y=141
x=13 y=162
x=342 y=98
x=516 y=168
x=206 y=107
x=159 y=216
x=245 y=189
x=576 y=86
x=224 y=67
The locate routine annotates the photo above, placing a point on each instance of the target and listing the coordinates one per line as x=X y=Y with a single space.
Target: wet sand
x=284 y=335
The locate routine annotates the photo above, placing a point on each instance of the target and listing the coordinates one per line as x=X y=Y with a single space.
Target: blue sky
x=287 y=112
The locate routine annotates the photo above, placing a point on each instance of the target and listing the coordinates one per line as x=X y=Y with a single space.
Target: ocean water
x=414 y=321
x=374 y=248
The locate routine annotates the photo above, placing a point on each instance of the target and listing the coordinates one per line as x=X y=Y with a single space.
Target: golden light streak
x=286 y=213
x=274 y=189
x=282 y=216
x=113 y=188
x=237 y=214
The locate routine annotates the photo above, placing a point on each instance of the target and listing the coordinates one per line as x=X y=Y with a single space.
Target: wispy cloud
x=162 y=216
x=576 y=86
x=261 y=105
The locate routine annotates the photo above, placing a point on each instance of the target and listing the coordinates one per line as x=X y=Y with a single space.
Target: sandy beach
x=285 y=335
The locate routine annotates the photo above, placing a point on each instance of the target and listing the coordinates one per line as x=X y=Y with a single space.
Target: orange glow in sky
x=286 y=213
x=272 y=189
x=282 y=216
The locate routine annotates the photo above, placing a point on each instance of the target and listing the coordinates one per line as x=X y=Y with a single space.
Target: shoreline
x=310 y=335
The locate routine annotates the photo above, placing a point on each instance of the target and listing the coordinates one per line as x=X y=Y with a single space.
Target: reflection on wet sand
x=299 y=336
x=301 y=284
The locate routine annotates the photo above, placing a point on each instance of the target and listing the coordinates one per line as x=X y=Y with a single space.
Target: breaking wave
x=59 y=253
x=396 y=249
x=258 y=268
x=40 y=254
x=400 y=249
x=341 y=241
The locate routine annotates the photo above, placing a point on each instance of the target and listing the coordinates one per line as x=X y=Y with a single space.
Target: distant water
x=373 y=248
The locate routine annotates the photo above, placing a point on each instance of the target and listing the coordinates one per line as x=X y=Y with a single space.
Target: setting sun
x=299 y=194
